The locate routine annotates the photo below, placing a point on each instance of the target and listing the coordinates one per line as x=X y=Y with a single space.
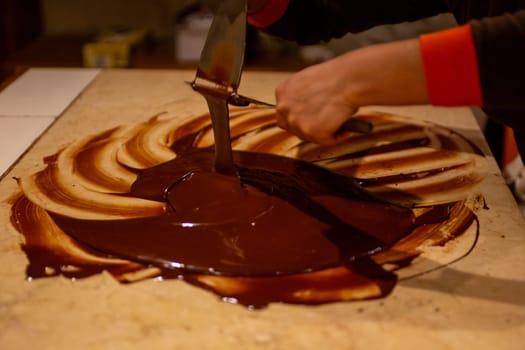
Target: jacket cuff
x=451 y=67
x=268 y=14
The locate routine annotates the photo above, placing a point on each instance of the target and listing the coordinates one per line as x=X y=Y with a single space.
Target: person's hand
x=315 y=102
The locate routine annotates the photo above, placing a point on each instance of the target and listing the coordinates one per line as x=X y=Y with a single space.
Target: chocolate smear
x=290 y=231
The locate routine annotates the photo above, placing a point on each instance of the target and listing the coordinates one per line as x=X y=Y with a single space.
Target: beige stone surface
x=475 y=303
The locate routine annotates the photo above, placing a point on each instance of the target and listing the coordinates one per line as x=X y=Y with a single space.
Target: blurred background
x=170 y=34
x=151 y=34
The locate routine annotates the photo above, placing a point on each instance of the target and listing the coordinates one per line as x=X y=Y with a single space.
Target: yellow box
x=112 y=49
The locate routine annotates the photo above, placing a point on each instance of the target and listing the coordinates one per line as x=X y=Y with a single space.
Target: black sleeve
x=312 y=21
x=500 y=46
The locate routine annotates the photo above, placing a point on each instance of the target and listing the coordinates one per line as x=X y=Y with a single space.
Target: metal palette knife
x=219 y=74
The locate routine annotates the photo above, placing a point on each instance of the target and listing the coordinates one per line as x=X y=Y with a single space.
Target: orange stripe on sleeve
x=269 y=14
x=451 y=67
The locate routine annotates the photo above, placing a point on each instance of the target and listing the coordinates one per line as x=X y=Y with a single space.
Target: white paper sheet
x=16 y=135
x=44 y=91
x=32 y=102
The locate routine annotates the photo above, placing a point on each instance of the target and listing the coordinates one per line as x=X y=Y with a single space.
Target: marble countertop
x=31 y=104
x=475 y=303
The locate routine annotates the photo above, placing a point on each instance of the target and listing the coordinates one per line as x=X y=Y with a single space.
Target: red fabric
x=269 y=14
x=451 y=67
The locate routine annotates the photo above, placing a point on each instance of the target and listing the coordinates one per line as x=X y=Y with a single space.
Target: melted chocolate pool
x=285 y=230
x=282 y=216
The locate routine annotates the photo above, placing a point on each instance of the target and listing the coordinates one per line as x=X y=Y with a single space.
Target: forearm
x=316 y=101
x=386 y=74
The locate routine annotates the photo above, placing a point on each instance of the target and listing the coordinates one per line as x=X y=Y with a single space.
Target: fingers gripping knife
x=219 y=74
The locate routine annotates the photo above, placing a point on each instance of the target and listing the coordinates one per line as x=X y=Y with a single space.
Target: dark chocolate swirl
x=308 y=224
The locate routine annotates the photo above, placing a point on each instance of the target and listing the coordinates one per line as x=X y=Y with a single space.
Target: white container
x=190 y=37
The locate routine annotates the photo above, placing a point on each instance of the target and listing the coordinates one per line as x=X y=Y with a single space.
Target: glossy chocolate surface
x=284 y=230
x=282 y=216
